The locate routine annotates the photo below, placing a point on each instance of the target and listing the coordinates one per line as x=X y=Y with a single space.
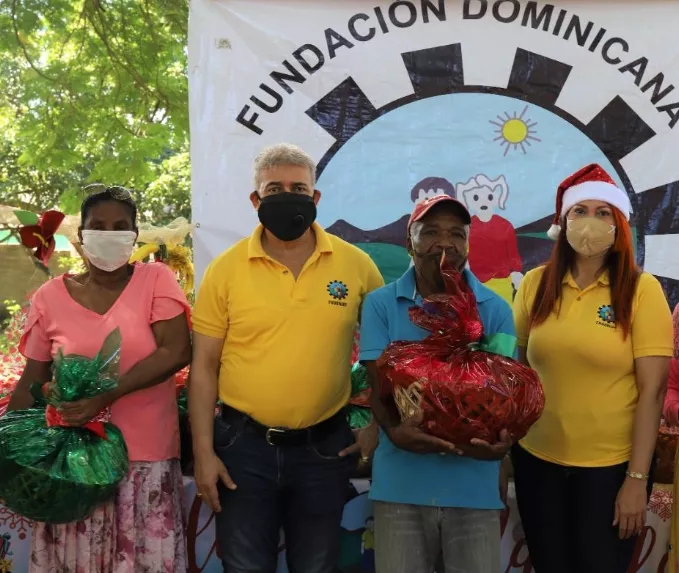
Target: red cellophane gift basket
x=464 y=389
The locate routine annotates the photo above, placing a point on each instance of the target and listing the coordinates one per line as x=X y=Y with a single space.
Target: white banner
x=494 y=101
x=357 y=553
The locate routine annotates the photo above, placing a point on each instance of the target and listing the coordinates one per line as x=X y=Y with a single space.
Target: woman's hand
x=35 y=372
x=21 y=399
x=80 y=412
x=630 y=508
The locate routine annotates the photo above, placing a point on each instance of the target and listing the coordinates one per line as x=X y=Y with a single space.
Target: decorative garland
x=177 y=257
x=12 y=362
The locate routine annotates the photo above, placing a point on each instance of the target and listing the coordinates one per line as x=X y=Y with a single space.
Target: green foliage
x=169 y=196
x=7 y=311
x=72 y=265
x=93 y=90
x=26 y=186
x=26 y=217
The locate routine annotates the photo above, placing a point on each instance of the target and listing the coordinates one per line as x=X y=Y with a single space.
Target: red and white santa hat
x=591 y=183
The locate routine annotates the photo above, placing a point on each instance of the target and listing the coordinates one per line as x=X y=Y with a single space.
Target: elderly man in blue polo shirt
x=434 y=501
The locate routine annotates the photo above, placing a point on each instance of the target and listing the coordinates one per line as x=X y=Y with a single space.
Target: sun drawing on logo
x=515 y=132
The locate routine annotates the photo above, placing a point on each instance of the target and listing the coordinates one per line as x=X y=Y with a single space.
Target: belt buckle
x=271 y=432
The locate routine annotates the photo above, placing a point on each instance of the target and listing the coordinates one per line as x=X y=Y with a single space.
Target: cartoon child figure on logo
x=431 y=187
x=493 y=248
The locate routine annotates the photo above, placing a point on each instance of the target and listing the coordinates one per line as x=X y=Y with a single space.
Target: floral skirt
x=141 y=532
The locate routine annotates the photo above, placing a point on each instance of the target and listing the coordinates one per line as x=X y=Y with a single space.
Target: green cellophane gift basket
x=359 y=413
x=54 y=473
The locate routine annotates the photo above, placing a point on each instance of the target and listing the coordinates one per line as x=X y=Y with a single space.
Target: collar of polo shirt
x=256 y=251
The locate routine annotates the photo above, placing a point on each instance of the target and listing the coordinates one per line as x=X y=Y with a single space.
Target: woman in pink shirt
x=143 y=528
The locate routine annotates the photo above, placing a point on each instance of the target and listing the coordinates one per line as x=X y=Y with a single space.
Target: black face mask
x=287 y=215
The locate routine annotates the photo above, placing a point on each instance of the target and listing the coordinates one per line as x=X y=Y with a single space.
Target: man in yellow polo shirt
x=274 y=325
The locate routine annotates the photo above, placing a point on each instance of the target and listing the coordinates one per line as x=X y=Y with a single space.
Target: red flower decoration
x=41 y=236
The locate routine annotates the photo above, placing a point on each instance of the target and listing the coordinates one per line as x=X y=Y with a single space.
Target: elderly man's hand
x=409 y=436
x=482 y=450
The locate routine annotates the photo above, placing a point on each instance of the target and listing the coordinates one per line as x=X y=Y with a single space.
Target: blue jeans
x=299 y=489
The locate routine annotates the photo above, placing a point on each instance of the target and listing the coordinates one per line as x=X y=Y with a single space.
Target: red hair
x=622 y=270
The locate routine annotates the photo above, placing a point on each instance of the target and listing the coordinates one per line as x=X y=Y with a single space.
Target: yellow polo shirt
x=587 y=369
x=287 y=344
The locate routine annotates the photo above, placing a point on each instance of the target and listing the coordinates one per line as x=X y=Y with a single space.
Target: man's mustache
x=439 y=256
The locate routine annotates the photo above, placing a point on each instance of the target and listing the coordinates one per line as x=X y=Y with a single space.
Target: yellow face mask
x=590 y=236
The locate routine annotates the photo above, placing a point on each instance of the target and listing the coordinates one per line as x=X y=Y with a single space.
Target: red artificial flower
x=41 y=236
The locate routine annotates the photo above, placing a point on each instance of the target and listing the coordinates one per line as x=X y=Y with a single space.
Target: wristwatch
x=636 y=475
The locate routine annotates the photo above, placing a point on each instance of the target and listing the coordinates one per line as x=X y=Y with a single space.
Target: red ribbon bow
x=96 y=425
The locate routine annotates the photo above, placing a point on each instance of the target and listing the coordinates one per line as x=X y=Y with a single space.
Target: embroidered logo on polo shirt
x=338 y=292
x=606 y=316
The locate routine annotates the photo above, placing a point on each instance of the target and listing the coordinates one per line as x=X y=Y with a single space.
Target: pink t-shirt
x=147 y=418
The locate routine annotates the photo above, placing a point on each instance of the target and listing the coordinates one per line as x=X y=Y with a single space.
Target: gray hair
x=283 y=154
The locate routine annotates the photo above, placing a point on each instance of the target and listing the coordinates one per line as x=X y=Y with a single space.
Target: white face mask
x=108 y=250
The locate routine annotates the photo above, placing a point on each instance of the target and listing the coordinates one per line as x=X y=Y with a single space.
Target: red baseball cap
x=421 y=209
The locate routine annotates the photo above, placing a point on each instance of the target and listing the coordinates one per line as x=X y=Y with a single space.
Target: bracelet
x=636 y=475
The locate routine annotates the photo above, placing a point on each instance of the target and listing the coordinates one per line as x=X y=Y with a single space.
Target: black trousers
x=567 y=515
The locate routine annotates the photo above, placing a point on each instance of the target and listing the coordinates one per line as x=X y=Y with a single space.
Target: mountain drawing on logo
x=536 y=227
x=534 y=245
x=391 y=234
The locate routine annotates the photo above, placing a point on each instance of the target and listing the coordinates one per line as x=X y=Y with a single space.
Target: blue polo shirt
x=427 y=479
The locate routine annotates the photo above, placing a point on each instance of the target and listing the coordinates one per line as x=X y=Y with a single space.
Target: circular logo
x=606 y=314
x=337 y=290
x=524 y=144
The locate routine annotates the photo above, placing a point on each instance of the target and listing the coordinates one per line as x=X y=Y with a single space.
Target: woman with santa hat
x=598 y=331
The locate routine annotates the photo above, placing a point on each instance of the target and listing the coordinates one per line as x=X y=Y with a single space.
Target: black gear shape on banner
x=617 y=130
